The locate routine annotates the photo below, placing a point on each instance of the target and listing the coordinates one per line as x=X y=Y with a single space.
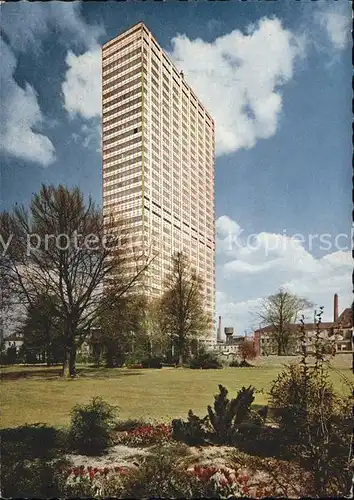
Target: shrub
x=314 y=419
x=11 y=357
x=152 y=362
x=192 y=432
x=229 y=415
x=247 y=350
x=164 y=476
x=37 y=478
x=222 y=425
x=135 y=358
x=91 y=427
x=32 y=441
x=260 y=440
x=159 y=477
x=287 y=399
x=234 y=363
x=245 y=364
x=31 y=461
x=205 y=360
x=134 y=366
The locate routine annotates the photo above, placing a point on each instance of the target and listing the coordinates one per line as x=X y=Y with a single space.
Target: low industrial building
x=337 y=334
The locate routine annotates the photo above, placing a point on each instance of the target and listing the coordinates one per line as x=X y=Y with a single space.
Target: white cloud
x=81 y=90
x=89 y=136
x=335 y=19
x=236 y=313
x=43 y=18
x=82 y=85
x=238 y=77
x=225 y=226
x=20 y=114
x=248 y=272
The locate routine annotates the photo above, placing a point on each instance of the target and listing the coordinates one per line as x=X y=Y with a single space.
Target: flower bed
x=93 y=472
x=225 y=482
x=93 y=481
x=145 y=435
x=218 y=482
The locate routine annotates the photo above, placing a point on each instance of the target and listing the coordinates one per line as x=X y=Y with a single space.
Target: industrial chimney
x=335 y=308
x=218 y=336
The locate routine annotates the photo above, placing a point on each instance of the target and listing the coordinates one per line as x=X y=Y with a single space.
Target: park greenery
x=269 y=431
x=73 y=274
x=250 y=439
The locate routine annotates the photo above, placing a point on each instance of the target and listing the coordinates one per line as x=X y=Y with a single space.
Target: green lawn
x=38 y=394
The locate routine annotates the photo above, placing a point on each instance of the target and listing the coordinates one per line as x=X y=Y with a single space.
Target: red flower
x=76 y=471
x=91 y=474
x=197 y=469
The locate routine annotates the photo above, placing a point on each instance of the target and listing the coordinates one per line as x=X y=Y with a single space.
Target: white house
x=13 y=340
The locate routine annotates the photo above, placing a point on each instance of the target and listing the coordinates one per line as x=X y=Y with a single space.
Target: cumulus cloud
x=225 y=226
x=20 y=114
x=248 y=70
x=258 y=266
x=41 y=19
x=335 y=19
x=82 y=85
x=81 y=91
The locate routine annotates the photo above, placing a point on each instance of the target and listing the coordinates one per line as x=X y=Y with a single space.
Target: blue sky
x=276 y=76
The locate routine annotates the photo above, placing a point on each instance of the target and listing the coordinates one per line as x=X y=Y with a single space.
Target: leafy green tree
x=123 y=329
x=42 y=332
x=181 y=308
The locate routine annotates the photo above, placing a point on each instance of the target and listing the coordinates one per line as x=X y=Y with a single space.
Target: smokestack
x=335 y=308
x=218 y=338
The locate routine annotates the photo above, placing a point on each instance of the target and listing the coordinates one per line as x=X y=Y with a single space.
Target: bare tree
x=61 y=247
x=280 y=311
x=182 y=314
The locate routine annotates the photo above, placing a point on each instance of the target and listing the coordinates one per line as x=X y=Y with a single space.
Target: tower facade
x=158 y=156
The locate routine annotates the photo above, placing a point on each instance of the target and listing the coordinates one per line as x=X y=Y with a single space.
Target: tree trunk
x=180 y=359
x=109 y=359
x=69 y=360
x=72 y=361
x=66 y=370
x=280 y=344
